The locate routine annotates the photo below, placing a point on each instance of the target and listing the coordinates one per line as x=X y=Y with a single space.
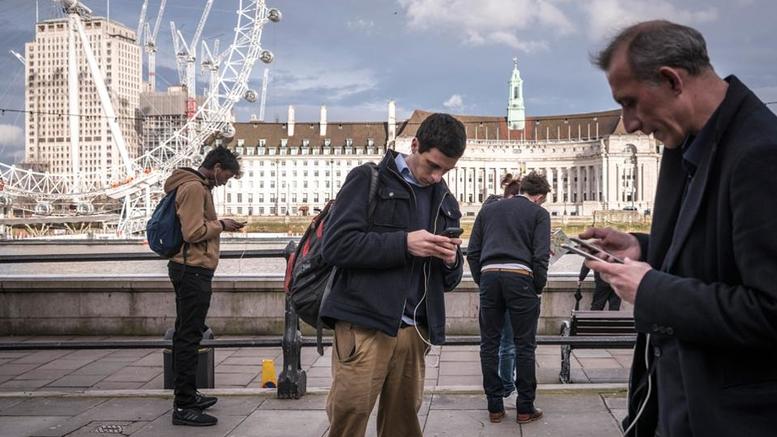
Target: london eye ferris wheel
x=135 y=183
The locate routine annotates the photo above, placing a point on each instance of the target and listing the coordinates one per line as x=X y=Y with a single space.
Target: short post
x=292 y=382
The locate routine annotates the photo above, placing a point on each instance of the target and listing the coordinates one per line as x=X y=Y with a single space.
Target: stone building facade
x=590 y=160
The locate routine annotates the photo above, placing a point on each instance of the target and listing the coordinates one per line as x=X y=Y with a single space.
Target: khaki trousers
x=367 y=363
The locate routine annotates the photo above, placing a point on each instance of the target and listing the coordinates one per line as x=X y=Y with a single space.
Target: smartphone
x=452 y=232
x=581 y=252
x=593 y=250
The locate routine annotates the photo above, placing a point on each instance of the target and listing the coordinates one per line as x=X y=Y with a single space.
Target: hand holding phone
x=452 y=232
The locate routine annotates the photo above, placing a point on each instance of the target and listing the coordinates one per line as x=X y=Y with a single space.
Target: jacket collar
x=735 y=95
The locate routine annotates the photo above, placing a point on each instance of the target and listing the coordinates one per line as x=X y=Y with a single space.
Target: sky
x=437 y=55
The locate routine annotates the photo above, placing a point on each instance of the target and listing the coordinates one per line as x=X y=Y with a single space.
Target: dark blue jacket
x=374 y=266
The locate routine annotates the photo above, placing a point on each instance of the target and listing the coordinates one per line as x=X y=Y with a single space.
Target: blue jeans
x=507 y=356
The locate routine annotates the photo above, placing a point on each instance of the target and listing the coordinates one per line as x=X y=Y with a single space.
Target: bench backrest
x=602 y=323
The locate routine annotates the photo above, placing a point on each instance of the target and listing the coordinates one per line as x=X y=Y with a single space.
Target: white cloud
x=455 y=102
x=490 y=21
x=330 y=82
x=11 y=135
x=361 y=24
x=608 y=16
x=11 y=143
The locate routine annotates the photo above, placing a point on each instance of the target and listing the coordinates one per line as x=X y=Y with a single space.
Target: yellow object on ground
x=269 y=380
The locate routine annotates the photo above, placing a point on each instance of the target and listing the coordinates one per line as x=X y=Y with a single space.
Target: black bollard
x=292 y=382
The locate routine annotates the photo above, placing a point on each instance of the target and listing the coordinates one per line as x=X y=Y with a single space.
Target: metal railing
x=292 y=381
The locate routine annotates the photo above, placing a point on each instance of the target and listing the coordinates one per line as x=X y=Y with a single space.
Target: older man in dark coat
x=705 y=303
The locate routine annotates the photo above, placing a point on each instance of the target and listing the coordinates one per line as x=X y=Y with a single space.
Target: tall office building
x=48 y=139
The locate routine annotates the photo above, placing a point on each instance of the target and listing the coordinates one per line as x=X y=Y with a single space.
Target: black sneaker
x=202 y=402
x=192 y=417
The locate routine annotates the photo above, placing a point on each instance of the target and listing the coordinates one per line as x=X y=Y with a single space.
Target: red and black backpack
x=309 y=278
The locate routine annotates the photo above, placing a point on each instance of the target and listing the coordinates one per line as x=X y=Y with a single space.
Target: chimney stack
x=290 y=122
x=392 y=121
x=322 y=131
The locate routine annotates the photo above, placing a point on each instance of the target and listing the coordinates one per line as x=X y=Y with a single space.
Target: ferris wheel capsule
x=84 y=208
x=250 y=96
x=228 y=131
x=266 y=56
x=274 y=15
x=43 y=208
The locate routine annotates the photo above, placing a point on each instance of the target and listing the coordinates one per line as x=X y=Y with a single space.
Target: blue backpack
x=163 y=230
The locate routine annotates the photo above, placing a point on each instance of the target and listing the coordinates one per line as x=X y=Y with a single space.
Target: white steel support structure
x=72 y=91
x=141 y=183
x=105 y=99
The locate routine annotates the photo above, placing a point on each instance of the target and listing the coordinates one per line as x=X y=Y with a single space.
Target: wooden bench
x=603 y=329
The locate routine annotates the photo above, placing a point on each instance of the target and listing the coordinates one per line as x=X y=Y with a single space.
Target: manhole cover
x=110 y=429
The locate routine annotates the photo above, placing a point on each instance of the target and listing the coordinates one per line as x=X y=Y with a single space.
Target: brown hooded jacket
x=199 y=223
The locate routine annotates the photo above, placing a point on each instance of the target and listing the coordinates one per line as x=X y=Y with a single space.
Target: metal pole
x=292 y=382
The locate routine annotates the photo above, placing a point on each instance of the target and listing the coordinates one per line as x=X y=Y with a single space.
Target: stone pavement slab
x=278 y=423
x=569 y=412
x=17 y=426
x=51 y=407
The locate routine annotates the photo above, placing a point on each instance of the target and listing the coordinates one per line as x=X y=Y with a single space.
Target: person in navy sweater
x=508 y=255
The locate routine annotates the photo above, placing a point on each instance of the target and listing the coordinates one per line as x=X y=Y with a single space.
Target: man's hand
x=624 y=278
x=618 y=243
x=423 y=243
x=231 y=225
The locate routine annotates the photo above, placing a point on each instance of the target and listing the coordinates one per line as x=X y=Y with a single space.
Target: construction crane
x=139 y=32
x=141 y=22
x=150 y=46
x=19 y=57
x=265 y=81
x=186 y=55
x=211 y=62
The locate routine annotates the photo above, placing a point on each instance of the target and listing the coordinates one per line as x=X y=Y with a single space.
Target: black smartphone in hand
x=452 y=232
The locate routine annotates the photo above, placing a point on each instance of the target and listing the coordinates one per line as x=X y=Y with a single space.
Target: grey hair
x=651 y=45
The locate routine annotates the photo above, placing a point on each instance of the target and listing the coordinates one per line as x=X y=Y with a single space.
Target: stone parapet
x=241 y=305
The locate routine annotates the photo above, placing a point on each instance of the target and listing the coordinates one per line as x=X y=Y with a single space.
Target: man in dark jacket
x=508 y=255
x=191 y=272
x=705 y=303
x=386 y=302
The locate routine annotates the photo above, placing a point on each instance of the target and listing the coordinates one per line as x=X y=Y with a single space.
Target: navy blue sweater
x=514 y=230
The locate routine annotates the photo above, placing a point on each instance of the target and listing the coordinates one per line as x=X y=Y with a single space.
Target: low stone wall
x=241 y=305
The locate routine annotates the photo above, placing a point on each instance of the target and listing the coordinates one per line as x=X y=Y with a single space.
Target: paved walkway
x=120 y=392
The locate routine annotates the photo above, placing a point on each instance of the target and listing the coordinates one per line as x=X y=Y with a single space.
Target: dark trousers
x=500 y=291
x=192 y=300
x=603 y=295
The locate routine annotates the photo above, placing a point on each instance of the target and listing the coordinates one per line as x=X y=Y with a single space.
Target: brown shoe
x=496 y=417
x=529 y=417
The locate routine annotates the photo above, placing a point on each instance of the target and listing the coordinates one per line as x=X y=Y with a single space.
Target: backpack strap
x=374 y=175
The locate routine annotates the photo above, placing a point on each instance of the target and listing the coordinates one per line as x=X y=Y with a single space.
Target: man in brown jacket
x=191 y=272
